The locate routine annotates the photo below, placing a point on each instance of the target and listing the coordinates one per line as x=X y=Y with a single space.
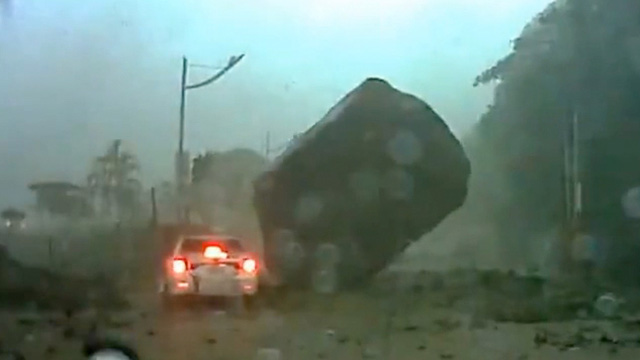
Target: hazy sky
x=75 y=74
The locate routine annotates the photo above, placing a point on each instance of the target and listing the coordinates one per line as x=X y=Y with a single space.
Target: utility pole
x=267 y=150
x=182 y=157
x=572 y=187
x=183 y=96
x=577 y=178
x=154 y=209
x=180 y=165
x=567 y=176
x=573 y=184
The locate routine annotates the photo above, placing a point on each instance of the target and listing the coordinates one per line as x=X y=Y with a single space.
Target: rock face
x=352 y=192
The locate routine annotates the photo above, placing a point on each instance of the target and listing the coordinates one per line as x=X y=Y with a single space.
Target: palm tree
x=113 y=181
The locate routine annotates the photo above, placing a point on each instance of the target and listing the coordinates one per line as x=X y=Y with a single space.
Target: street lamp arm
x=232 y=62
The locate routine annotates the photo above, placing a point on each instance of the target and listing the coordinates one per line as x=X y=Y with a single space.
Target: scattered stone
x=54 y=322
x=342 y=339
x=68 y=332
x=28 y=320
x=436 y=283
x=268 y=354
x=585 y=328
x=582 y=314
x=69 y=312
x=371 y=351
x=119 y=324
x=541 y=338
x=11 y=355
x=607 y=305
x=120 y=321
x=606 y=339
x=578 y=339
x=630 y=340
x=447 y=324
x=568 y=347
x=476 y=322
x=50 y=350
x=411 y=328
x=631 y=323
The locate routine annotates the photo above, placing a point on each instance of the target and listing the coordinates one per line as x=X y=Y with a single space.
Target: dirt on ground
x=455 y=315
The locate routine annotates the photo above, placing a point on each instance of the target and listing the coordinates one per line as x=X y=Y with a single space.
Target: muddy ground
x=458 y=315
x=407 y=314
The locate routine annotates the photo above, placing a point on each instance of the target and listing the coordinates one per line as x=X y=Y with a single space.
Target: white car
x=209 y=266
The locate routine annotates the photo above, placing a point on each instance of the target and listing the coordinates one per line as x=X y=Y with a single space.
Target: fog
x=77 y=74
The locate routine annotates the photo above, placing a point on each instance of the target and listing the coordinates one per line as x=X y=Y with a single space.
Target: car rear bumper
x=232 y=286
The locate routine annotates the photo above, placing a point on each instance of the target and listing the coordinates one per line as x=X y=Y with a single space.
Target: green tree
x=576 y=57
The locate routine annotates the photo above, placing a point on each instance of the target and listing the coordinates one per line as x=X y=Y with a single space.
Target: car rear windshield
x=196 y=245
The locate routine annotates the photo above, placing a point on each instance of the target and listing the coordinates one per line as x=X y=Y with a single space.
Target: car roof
x=206 y=237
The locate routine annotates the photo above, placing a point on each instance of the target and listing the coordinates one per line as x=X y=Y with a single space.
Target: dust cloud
x=474 y=236
x=74 y=77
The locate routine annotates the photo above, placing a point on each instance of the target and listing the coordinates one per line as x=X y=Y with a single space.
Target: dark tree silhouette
x=113 y=180
x=577 y=57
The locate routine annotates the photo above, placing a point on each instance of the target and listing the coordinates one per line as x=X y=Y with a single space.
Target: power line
x=182 y=163
x=233 y=61
x=204 y=66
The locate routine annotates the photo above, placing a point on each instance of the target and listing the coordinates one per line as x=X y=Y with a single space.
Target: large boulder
x=376 y=173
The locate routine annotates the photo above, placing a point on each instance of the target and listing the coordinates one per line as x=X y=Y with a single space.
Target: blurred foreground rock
x=22 y=285
x=376 y=173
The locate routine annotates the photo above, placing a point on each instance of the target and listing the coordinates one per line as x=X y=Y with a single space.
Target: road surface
x=349 y=326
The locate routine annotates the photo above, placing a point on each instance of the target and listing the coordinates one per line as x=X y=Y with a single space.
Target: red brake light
x=179 y=265
x=249 y=265
x=215 y=252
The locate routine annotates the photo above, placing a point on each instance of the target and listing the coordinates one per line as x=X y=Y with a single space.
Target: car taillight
x=215 y=252
x=249 y=265
x=179 y=265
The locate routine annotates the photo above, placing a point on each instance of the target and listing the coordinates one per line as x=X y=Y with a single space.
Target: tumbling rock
x=376 y=173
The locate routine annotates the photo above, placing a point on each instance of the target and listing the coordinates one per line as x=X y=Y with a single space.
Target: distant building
x=14 y=219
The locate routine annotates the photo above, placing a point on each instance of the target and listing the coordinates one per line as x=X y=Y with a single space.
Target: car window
x=191 y=245
x=196 y=245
